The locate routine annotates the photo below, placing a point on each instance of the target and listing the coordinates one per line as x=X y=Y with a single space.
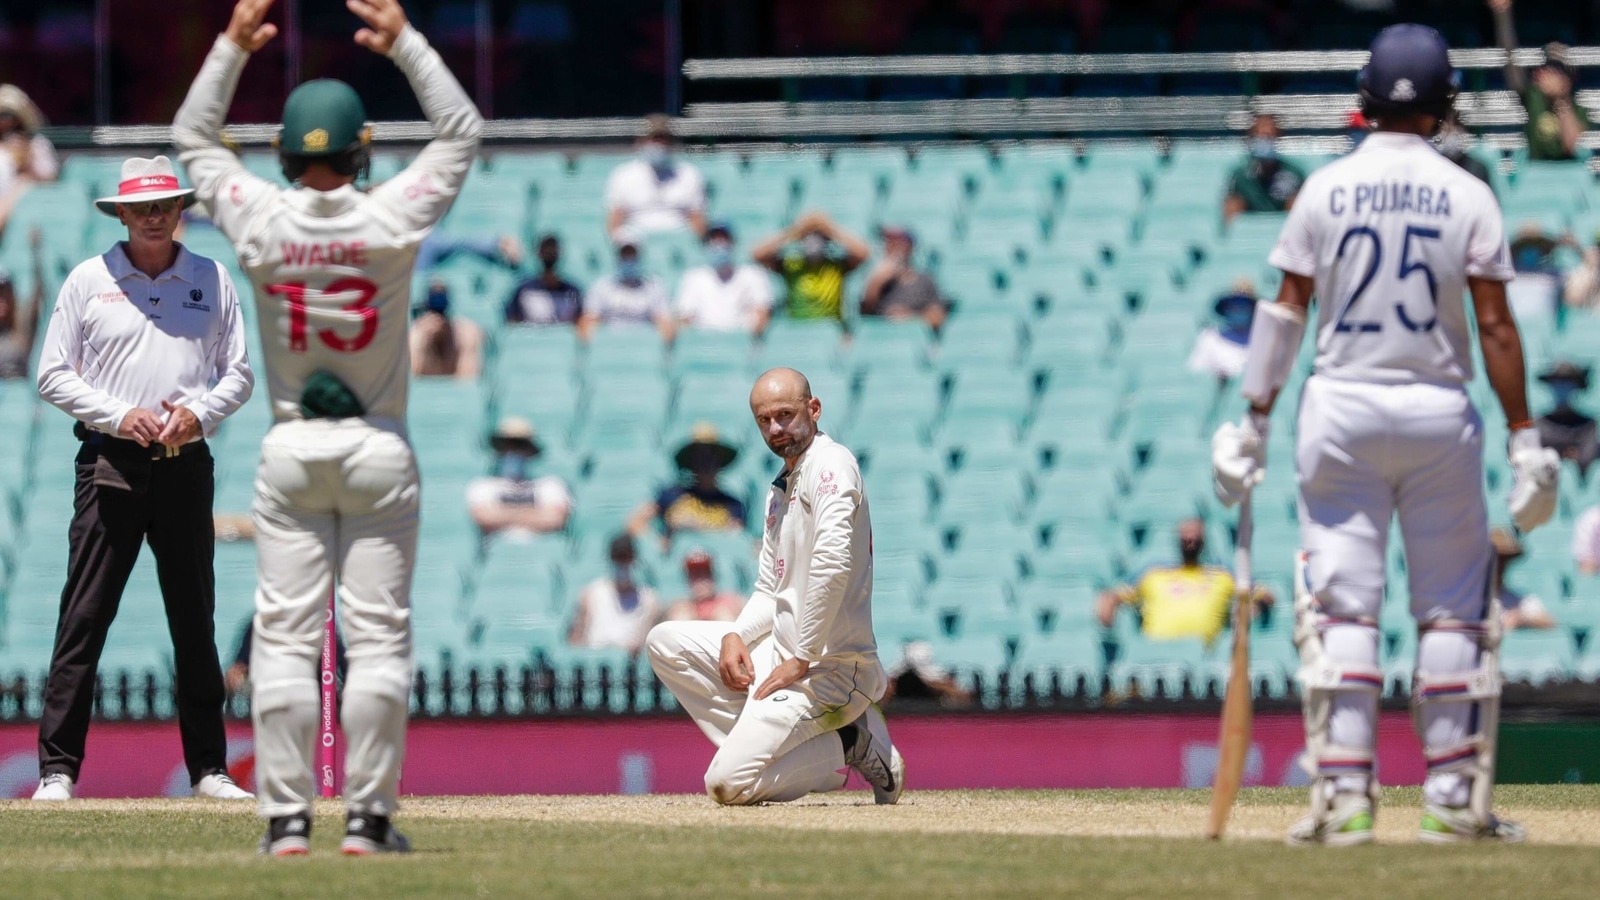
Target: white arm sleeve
x=1274 y=342
x=233 y=379
x=755 y=620
x=1295 y=251
x=233 y=194
x=419 y=197
x=833 y=506
x=61 y=360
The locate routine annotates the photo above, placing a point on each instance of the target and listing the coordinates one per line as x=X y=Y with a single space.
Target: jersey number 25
x=294 y=293
x=1408 y=266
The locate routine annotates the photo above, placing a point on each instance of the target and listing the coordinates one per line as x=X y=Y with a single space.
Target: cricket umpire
x=146 y=350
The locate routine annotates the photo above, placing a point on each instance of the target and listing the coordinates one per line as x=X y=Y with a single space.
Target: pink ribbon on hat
x=147 y=183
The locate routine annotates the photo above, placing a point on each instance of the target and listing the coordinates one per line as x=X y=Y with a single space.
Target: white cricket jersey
x=814 y=591
x=331 y=269
x=120 y=340
x=1390 y=234
x=706 y=300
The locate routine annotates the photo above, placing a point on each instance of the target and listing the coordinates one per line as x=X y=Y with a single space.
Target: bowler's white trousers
x=336 y=501
x=780 y=748
x=1364 y=454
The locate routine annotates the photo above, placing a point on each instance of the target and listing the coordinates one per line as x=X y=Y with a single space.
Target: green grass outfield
x=935 y=844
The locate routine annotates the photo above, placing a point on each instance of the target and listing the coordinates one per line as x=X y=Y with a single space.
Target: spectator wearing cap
x=1264 y=181
x=615 y=610
x=813 y=255
x=705 y=603
x=1517 y=610
x=626 y=297
x=896 y=289
x=547 y=298
x=29 y=156
x=1582 y=287
x=655 y=191
x=1555 y=121
x=722 y=295
x=698 y=503
x=1564 y=429
x=19 y=325
x=512 y=501
x=1221 y=349
x=442 y=344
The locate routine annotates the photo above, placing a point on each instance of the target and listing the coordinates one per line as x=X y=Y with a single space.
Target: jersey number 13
x=294 y=293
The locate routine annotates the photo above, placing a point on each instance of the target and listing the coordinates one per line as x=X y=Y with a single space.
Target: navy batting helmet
x=1409 y=72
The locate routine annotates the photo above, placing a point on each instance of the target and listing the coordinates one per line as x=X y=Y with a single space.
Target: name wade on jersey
x=333 y=253
x=1391 y=197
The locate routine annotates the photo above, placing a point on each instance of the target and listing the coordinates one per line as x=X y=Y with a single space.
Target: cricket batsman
x=787 y=692
x=1390 y=238
x=337 y=487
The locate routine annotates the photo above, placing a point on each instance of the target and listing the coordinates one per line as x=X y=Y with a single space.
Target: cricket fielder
x=337 y=488
x=1390 y=237
x=787 y=692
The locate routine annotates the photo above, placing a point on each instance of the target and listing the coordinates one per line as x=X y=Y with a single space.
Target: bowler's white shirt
x=650 y=204
x=813 y=593
x=1373 y=229
x=706 y=301
x=120 y=340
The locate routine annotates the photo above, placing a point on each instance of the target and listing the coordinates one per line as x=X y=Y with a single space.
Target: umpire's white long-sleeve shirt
x=119 y=339
x=814 y=591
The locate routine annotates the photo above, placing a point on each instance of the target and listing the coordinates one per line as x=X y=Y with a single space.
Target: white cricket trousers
x=1364 y=454
x=777 y=749
x=336 y=502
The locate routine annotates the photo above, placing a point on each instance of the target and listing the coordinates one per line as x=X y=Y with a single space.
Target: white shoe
x=1445 y=825
x=221 y=786
x=55 y=786
x=875 y=757
x=1347 y=823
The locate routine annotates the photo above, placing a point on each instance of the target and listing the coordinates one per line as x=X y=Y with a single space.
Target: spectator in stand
x=29 y=155
x=813 y=255
x=701 y=504
x=1220 y=350
x=19 y=326
x=1517 y=610
x=1187 y=600
x=1564 y=429
x=512 y=501
x=441 y=344
x=627 y=297
x=1555 y=122
x=546 y=298
x=897 y=290
x=1455 y=143
x=505 y=251
x=656 y=191
x=723 y=296
x=918 y=676
x=1582 y=287
x=1264 y=182
x=1536 y=291
x=615 y=610
x=705 y=603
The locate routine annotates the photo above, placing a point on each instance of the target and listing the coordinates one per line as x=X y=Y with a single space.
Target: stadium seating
x=1036 y=450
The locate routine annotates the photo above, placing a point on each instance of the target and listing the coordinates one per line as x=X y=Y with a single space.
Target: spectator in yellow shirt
x=813 y=256
x=1181 y=601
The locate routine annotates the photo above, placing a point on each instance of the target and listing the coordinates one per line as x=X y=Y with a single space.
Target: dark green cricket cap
x=322 y=118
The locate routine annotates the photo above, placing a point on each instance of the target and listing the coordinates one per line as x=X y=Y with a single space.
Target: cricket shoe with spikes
x=874 y=756
x=365 y=835
x=287 y=836
x=1347 y=822
x=1445 y=825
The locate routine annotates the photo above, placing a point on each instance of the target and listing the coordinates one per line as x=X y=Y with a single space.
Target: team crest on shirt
x=827 y=486
x=778 y=568
x=196 y=301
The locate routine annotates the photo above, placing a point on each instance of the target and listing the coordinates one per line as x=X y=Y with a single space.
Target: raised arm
x=1505 y=34
x=420 y=196
x=214 y=169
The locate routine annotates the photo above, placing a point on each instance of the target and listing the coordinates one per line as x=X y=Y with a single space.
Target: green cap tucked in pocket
x=326 y=397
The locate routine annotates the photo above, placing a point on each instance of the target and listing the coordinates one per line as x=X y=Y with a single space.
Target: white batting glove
x=1534 y=469
x=1238 y=458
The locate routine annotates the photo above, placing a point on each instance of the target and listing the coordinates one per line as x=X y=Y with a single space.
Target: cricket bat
x=1234 y=744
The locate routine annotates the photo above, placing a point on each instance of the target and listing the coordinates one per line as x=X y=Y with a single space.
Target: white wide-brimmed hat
x=144 y=180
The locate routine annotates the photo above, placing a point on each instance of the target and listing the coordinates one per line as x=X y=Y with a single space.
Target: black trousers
x=120 y=501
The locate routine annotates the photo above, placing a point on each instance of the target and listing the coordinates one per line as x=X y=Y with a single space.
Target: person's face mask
x=814 y=246
x=1237 y=321
x=1262 y=148
x=513 y=466
x=1528 y=258
x=1190 y=551
x=630 y=270
x=438 y=301
x=657 y=155
x=549 y=258
x=719 y=254
x=622 y=572
x=1563 y=392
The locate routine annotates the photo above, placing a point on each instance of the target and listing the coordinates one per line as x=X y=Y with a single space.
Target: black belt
x=122 y=447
